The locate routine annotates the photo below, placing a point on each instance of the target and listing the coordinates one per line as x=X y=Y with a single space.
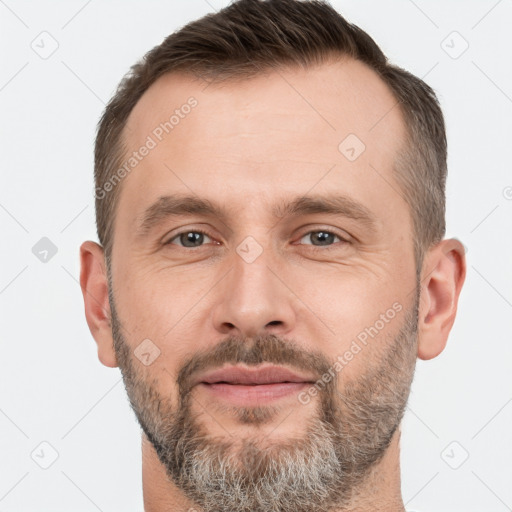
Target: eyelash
x=313 y=247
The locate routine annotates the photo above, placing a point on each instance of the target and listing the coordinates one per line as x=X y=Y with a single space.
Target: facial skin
x=249 y=146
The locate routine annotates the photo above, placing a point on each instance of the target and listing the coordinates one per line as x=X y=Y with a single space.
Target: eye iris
x=323 y=237
x=192 y=237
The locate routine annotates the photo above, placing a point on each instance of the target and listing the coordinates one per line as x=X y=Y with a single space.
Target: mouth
x=244 y=386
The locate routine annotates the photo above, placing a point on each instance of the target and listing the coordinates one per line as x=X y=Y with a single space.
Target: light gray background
x=54 y=389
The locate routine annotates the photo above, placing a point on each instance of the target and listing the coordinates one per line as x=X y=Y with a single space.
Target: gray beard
x=318 y=472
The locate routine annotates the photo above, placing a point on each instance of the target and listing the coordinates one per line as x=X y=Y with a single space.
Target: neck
x=380 y=491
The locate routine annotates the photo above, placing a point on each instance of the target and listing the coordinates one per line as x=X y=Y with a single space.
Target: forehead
x=340 y=96
x=277 y=133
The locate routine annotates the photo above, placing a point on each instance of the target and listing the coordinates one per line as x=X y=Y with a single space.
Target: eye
x=196 y=238
x=321 y=238
x=190 y=239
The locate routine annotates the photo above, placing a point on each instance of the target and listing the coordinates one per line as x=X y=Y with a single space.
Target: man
x=270 y=207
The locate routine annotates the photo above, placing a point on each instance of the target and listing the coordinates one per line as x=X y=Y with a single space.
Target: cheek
x=346 y=296
x=164 y=304
x=144 y=285
x=352 y=319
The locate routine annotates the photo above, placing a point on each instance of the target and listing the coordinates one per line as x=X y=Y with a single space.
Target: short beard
x=321 y=470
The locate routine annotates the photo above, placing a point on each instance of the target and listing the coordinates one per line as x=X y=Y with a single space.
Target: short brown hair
x=252 y=36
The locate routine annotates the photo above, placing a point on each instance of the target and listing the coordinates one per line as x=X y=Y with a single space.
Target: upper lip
x=247 y=376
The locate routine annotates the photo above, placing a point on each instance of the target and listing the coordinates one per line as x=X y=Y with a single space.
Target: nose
x=254 y=299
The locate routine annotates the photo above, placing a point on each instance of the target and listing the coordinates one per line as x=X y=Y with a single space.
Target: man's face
x=329 y=295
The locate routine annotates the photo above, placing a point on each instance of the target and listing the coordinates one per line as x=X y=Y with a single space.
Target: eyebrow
x=178 y=205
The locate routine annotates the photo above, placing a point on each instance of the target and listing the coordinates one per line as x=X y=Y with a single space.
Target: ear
x=94 y=284
x=443 y=274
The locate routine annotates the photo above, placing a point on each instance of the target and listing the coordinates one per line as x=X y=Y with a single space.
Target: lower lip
x=254 y=394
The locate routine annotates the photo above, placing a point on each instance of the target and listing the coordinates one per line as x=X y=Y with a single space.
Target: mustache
x=266 y=348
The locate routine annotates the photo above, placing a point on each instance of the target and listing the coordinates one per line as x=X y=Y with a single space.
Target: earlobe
x=443 y=274
x=93 y=281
